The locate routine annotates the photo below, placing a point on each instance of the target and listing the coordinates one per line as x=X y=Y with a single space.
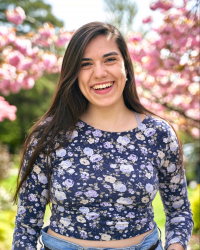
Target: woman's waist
x=105 y=243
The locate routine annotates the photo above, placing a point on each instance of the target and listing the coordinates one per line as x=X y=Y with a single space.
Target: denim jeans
x=55 y=243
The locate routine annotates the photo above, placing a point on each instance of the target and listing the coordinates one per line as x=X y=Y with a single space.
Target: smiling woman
x=102 y=76
x=100 y=157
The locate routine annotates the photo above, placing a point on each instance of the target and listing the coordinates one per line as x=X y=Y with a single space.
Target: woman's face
x=102 y=76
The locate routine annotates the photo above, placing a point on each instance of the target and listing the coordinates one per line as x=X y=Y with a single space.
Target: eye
x=85 y=64
x=110 y=59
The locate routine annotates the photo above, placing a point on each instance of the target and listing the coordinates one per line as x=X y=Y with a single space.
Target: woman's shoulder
x=162 y=126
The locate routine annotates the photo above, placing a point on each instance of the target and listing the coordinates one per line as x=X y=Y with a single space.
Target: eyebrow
x=106 y=55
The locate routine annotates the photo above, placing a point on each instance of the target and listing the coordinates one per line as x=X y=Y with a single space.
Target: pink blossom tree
x=167 y=65
x=25 y=58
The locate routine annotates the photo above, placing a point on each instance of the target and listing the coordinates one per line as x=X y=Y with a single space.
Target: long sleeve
x=173 y=189
x=31 y=205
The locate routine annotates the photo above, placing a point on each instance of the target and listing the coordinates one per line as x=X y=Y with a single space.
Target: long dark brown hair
x=68 y=103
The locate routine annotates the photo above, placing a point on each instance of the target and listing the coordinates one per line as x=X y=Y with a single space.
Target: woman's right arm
x=31 y=205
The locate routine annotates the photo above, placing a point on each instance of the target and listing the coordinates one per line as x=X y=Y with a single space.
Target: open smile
x=102 y=86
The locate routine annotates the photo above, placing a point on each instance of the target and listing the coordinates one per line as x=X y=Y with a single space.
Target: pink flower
x=195 y=133
x=16 y=16
x=6 y=110
x=134 y=37
x=147 y=19
x=23 y=45
x=28 y=83
x=47 y=30
x=164 y=5
x=62 y=38
x=49 y=61
x=14 y=58
x=153 y=6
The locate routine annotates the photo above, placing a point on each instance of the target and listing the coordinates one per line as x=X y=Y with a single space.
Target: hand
x=175 y=246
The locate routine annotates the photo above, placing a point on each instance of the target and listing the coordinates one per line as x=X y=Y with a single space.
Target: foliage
x=30 y=105
x=34 y=9
x=195 y=205
x=25 y=58
x=5 y=163
x=122 y=13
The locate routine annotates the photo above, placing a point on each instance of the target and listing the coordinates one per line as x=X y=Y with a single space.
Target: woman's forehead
x=101 y=44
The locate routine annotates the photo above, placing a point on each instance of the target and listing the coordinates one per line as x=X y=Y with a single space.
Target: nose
x=99 y=71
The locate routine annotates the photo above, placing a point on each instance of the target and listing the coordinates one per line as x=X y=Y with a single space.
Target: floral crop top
x=103 y=184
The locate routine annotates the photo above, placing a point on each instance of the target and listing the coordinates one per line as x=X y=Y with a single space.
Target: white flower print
x=170 y=234
x=91 y=140
x=110 y=179
x=95 y=158
x=42 y=178
x=149 y=187
x=65 y=164
x=92 y=216
x=68 y=183
x=21 y=209
x=119 y=187
x=171 y=168
x=121 y=225
x=84 y=161
x=60 y=195
x=31 y=231
x=139 y=136
x=36 y=169
x=123 y=140
x=80 y=219
x=91 y=193
x=126 y=168
x=174 y=240
x=130 y=215
x=88 y=151
x=113 y=165
x=83 y=234
x=161 y=154
x=177 y=219
x=65 y=221
x=45 y=193
x=61 y=209
x=173 y=146
x=175 y=179
x=105 y=237
x=74 y=134
x=145 y=199
x=178 y=204
x=85 y=175
x=125 y=201
x=71 y=171
x=60 y=152
x=149 y=132
x=84 y=210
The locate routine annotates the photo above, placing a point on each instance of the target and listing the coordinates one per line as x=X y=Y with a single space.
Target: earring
x=126 y=79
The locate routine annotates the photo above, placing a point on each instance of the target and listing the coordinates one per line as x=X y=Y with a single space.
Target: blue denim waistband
x=55 y=243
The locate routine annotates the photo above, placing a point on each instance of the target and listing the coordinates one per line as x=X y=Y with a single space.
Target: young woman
x=100 y=157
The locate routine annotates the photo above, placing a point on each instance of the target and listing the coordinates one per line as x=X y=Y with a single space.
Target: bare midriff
x=101 y=244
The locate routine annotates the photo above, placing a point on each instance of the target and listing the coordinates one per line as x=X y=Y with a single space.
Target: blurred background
x=163 y=41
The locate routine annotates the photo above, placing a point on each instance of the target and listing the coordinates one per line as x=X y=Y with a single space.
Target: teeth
x=103 y=86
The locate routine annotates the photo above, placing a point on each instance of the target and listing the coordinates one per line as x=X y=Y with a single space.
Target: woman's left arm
x=173 y=190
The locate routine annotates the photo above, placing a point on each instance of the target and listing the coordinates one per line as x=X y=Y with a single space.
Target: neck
x=107 y=118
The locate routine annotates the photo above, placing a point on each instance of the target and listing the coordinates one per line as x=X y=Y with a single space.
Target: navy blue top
x=103 y=184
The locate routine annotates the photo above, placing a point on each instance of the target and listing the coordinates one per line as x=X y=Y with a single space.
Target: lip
x=101 y=83
x=104 y=91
